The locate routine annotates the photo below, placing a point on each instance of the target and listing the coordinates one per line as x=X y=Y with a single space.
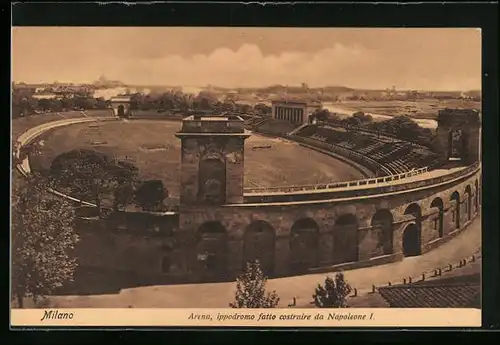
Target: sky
x=428 y=59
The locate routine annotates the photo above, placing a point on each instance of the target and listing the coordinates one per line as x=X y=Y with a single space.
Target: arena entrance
x=121 y=111
x=411 y=240
x=412 y=233
x=120 y=106
x=345 y=239
x=304 y=236
x=455 y=209
x=211 y=249
x=259 y=244
x=439 y=221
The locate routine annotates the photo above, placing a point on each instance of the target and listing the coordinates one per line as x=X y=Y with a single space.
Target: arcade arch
x=412 y=233
x=304 y=237
x=259 y=244
x=345 y=239
x=439 y=224
x=121 y=110
x=468 y=202
x=211 y=249
x=455 y=209
x=476 y=197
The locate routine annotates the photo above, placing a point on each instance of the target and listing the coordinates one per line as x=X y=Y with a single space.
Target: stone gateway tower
x=458 y=135
x=212 y=160
x=212 y=175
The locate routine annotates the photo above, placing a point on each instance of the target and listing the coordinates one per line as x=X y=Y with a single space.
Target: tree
x=321 y=114
x=150 y=195
x=89 y=174
x=251 y=289
x=363 y=118
x=43 y=237
x=126 y=177
x=333 y=294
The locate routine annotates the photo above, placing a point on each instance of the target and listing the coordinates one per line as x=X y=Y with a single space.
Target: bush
x=251 y=289
x=333 y=294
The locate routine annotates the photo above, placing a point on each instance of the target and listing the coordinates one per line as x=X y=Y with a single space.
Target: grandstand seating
x=396 y=155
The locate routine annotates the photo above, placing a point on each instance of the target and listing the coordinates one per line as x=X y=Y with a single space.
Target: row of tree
x=24 y=104
x=169 y=101
x=401 y=127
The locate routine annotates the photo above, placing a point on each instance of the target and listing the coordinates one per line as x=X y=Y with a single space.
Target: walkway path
x=218 y=295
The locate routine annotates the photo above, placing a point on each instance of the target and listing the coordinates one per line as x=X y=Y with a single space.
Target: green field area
x=422 y=108
x=153 y=148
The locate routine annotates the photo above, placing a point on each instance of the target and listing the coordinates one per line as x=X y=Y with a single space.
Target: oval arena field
x=154 y=149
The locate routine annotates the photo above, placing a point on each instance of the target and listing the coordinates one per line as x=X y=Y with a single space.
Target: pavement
x=219 y=295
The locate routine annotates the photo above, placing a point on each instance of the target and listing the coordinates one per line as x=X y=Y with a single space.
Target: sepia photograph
x=244 y=170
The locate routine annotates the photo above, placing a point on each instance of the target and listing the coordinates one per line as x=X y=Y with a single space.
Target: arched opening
x=121 y=110
x=411 y=240
x=412 y=233
x=468 y=202
x=304 y=236
x=345 y=239
x=212 y=177
x=382 y=230
x=476 y=197
x=258 y=244
x=455 y=209
x=211 y=249
x=438 y=221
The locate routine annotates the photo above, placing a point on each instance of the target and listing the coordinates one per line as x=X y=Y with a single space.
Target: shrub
x=333 y=294
x=251 y=289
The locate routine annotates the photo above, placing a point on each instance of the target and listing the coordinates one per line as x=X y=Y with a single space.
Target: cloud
x=370 y=59
x=247 y=66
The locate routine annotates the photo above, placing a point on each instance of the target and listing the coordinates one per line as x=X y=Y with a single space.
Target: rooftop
x=471 y=116
x=432 y=296
x=460 y=288
x=200 y=124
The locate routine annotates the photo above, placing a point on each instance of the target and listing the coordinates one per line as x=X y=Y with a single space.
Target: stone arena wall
x=295 y=236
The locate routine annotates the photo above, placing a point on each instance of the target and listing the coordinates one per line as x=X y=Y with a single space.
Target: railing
x=336 y=185
x=366 y=188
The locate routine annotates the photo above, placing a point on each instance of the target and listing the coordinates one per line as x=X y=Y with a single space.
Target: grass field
x=154 y=149
x=423 y=108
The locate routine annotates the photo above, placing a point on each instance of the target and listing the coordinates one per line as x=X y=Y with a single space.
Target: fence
x=433 y=273
x=337 y=185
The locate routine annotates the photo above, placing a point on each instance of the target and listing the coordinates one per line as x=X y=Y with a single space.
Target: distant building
x=296 y=112
x=45 y=95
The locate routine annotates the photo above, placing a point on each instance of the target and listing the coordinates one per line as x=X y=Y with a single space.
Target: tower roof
x=210 y=125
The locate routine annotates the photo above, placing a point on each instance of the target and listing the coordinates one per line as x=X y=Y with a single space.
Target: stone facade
x=458 y=135
x=363 y=230
x=293 y=111
x=121 y=106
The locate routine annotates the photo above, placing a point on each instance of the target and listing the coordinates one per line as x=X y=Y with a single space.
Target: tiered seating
x=398 y=156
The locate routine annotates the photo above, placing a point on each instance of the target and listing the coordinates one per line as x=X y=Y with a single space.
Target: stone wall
x=335 y=244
